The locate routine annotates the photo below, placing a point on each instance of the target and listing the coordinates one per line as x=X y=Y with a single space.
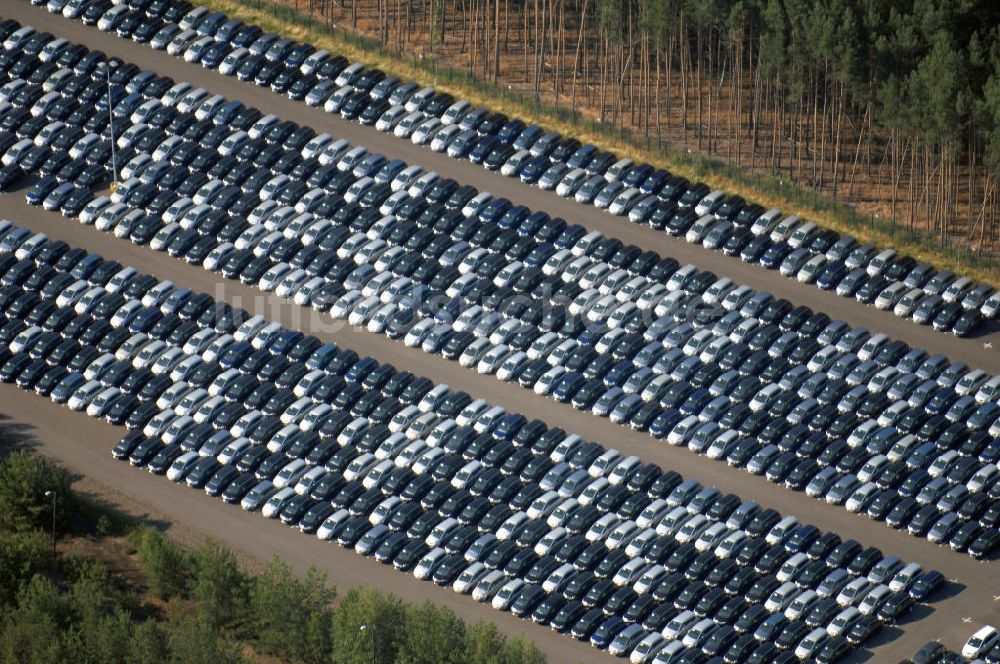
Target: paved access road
x=976 y=581
x=981 y=352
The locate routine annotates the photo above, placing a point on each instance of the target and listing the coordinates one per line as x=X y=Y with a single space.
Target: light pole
x=372 y=632
x=52 y=494
x=111 y=125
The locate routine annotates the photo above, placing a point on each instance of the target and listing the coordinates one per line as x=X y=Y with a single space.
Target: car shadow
x=984 y=329
x=15 y=435
x=947 y=591
x=885 y=635
x=918 y=612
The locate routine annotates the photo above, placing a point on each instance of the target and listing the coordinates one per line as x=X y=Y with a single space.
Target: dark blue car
x=236 y=355
x=509 y=426
x=607 y=631
x=926 y=585
x=228 y=30
x=495 y=209
x=774 y=255
x=570 y=236
x=322 y=356
x=534 y=169
x=513 y=217
x=284 y=342
x=582 y=157
x=528 y=137
x=510 y=131
x=213 y=57
x=361 y=369
x=246 y=35
x=299 y=54
x=568 y=385
x=481 y=148
x=831 y=275
x=637 y=175
x=145 y=319
x=41 y=189
x=211 y=24
x=655 y=182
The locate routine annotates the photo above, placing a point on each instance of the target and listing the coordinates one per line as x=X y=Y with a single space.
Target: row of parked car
x=534 y=520
x=983 y=647
x=864 y=421
x=639 y=191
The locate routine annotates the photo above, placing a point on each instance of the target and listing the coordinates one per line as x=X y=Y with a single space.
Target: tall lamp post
x=108 y=66
x=372 y=633
x=52 y=494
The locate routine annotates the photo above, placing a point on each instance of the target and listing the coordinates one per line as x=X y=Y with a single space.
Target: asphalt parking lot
x=970 y=598
x=982 y=350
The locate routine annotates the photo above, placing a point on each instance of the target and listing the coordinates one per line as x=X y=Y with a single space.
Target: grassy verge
x=768 y=189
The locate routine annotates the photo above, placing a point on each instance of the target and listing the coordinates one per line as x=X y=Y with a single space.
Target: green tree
x=433 y=635
x=24 y=480
x=218 y=585
x=21 y=556
x=103 y=640
x=147 y=644
x=31 y=630
x=385 y=620
x=90 y=593
x=522 y=651
x=167 y=566
x=30 y=641
x=989 y=107
x=193 y=641
x=288 y=616
x=101 y=628
x=484 y=644
x=318 y=640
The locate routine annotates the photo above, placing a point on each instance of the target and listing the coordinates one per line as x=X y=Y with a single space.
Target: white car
x=698 y=632
x=874 y=598
x=332 y=524
x=492 y=360
x=98 y=407
x=853 y=592
x=488 y=586
x=469 y=578
x=178 y=469
x=272 y=508
x=649 y=648
x=425 y=568
x=810 y=645
x=843 y=621
x=679 y=625
x=506 y=595
x=343 y=307
x=981 y=642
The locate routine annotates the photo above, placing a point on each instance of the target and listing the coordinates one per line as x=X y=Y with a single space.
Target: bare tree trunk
x=857 y=149
x=698 y=85
x=579 y=46
x=755 y=112
x=685 y=63
x=836 y=144
x=659 y=107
